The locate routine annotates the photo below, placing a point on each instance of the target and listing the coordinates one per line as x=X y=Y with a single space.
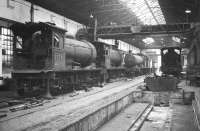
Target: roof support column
x=32 y=13
x=95 y=28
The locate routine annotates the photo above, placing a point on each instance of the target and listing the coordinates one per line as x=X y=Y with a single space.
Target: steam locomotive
x=171 y=61
x=46 y=61
x=171 y=70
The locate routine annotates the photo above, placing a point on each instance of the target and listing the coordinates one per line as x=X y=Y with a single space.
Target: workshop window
x=56 y=41
x=6 y=40
x=18 y=42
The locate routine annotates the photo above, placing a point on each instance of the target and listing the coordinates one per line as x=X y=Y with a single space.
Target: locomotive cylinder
x=133 y=60
x=82 y=52
x=115 y=57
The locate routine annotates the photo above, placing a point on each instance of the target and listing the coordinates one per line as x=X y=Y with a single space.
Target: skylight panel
x=148 y=40
x=147 y=11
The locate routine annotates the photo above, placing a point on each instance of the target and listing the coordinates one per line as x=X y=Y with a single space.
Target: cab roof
x=29 y=28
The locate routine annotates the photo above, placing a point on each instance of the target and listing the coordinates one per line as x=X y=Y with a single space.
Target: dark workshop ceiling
x=121 y=12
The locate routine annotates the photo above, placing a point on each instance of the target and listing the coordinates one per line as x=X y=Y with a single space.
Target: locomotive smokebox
x=131 y=60
x=82 y=52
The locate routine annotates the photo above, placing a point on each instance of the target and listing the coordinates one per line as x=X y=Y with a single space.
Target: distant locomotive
x=171 y=61
x=45 y=60
x=171 y=70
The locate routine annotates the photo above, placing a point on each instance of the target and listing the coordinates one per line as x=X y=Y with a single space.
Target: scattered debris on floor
x=27 y=105
x=75 y=93
x=3 y=104
x=158 y=120
x=3 y=115
x=17 y=104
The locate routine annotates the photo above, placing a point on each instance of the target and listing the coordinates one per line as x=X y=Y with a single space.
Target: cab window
x=56 y=41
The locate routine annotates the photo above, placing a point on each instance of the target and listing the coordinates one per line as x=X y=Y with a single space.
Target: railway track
x=130 y=119
x=140 y=119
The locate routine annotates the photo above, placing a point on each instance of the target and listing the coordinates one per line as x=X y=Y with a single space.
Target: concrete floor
x=183 y=118
x=61 y=109
x=158 y=120
x=65 y=109
x=124 y=120
x=176 y=117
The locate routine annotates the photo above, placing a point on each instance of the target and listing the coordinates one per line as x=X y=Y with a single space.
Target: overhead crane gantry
x=129 y=31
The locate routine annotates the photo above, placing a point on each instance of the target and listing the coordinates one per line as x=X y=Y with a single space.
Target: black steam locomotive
x=171 y=70
x=46 y=61
x=171 y=61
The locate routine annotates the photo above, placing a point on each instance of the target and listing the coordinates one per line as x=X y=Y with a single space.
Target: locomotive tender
x=46 y=61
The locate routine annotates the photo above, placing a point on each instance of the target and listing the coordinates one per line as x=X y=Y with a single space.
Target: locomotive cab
x=38 y=46
x=107 y=55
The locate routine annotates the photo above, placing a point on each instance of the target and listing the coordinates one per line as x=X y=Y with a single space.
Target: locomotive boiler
x=79 y=52
x=131 y=60
x=115 y=57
